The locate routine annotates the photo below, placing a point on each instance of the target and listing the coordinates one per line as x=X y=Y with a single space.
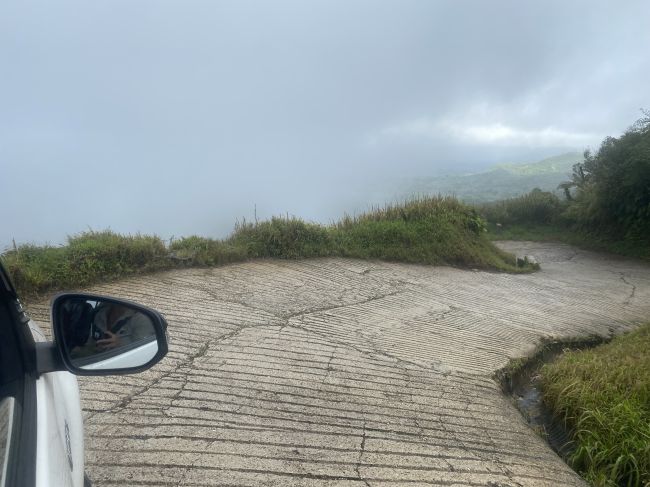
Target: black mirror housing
x=101 y=335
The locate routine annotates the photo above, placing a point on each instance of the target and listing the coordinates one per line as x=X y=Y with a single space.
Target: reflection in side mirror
x=103 y=334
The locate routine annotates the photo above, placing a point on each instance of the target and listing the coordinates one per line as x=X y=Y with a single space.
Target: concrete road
x=350 y=373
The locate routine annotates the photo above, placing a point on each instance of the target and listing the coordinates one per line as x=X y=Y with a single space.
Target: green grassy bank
x=604 y=396
x=435 y=230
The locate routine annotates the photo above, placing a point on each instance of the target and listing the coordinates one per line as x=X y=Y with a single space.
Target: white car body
x=41 y=422
x=59 y=437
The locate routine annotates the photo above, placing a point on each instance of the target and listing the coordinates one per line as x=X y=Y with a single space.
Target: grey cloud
x=179 y=117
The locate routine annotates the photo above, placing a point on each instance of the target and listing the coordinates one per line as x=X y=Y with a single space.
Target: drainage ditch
x=519 y=380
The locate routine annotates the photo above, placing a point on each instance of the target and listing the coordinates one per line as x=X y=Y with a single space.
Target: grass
x=87 y=258
x=524 y=368
x=433 y=230
x=603 y=394
x=438 y=231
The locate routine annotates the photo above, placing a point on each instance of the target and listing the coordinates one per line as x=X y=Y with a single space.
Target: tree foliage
x=611 y=187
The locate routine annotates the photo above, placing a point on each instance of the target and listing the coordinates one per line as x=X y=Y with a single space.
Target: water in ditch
x=522 y=385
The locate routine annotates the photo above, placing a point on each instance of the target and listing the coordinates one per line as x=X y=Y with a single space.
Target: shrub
x=88 y=257
x=286 y=238
x=202 y=251
x=433 y=230
x=537 y=207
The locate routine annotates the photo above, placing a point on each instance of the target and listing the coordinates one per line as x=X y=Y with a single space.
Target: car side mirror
x=99 y=335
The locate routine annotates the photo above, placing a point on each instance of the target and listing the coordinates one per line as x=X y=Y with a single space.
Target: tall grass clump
x=428 y=230
x=201 y=251
x=603 y=394
x=86 y=258
x=284 y=238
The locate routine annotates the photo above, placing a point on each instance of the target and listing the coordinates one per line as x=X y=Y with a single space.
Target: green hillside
x=502 y=181
x=551 y=165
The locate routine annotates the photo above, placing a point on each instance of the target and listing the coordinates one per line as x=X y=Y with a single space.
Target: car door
x=59 y=436
x=17 y=393
x=40 y=414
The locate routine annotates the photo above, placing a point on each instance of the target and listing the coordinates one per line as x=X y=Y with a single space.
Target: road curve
x=333 y=372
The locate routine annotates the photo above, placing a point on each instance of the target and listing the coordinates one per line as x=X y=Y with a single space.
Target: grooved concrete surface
x=350 y=373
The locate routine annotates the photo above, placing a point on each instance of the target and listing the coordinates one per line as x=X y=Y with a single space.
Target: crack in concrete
x=185 y=376
x=362 y=449
x=328 y=369
x=223 y=299
x=306 y=312
x=183 y=364
x=421 y=434
x=188 y=361
x=184 y=475
x=340 y=306
x=370 y=351
x=632 y=293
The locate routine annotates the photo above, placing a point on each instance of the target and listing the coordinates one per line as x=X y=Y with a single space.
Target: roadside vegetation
x=603 y=394
x=87 y=258
x=606 y=203
x=434 y=230
x=541 y=216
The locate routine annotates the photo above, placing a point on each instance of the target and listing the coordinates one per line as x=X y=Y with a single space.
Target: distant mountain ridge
x=501 y=181
x=555 y=164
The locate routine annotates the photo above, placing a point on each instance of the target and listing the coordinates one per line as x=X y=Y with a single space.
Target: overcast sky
x=178 y=117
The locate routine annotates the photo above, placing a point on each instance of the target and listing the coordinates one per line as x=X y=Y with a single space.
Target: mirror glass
x=102 y=335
